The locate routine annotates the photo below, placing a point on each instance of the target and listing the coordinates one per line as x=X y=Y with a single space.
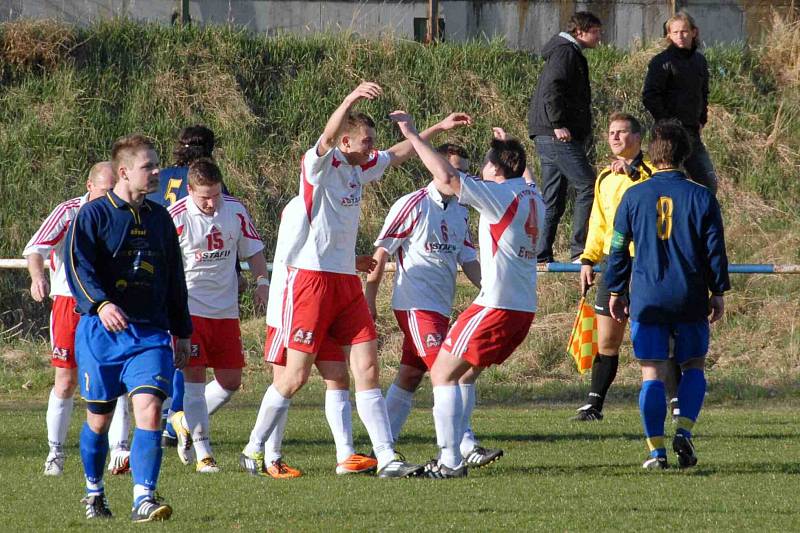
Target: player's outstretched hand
x=499 y=134
x=717 y=304
x=404 y=121
x=113 y=318
x=183 y=348
x=366 y=90
x=587 y=278
x=365 y=263
x=40 y=289
x=618 y=308
x=454 y=120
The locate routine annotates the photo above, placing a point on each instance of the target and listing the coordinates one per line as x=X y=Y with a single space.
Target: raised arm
x=333 y=129
x=447 y=177
x=501 y=135
x=404 y=150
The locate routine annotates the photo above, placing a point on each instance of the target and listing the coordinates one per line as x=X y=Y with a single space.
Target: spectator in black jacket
x=560 y=124
x=676 y=87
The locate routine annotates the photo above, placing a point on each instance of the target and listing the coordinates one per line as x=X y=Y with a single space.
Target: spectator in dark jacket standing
x=676 y=87
x=560 y=124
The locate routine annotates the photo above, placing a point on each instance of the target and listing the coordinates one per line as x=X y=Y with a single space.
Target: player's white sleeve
x=313 y=165
x=250 y=242
x=489 y=198
x=374 y=168
x=52 y=231
x=400 y=222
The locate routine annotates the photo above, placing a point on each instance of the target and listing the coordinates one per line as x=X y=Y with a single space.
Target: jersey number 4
x=532 y=225
x=664 y=222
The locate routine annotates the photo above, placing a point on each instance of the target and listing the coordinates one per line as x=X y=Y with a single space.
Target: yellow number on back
x=170 y=194
x=664 y=223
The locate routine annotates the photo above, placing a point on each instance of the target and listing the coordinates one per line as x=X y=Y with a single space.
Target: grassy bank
x=66 y=93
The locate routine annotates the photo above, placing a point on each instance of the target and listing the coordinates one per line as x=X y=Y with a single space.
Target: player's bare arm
x=333 y=129
x=473 y=272
x=40 y=287
x=403 y=151
x=183 y=348
x=258 y=266
x=441 y=169
x=374 y=278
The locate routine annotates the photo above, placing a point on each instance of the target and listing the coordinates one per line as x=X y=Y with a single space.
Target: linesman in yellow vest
x=629 y=168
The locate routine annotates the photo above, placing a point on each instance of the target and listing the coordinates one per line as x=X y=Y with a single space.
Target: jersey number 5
x=532 y=225
x=170 y=194
x=664 y=222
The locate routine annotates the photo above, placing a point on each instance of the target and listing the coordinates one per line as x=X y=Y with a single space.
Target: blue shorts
x=136 y=360
x=651 y=342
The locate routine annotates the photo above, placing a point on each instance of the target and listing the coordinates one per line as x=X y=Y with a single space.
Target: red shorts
x=63 y=322
x=318 y=305
x=216 y=343
x=423 y=332
x=275 y=353
x=485 y=336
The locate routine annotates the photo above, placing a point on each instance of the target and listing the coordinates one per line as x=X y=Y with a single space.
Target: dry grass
x=780 y=50
x=31 y=44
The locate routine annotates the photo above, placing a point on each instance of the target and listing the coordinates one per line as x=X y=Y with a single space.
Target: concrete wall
x=523 y=24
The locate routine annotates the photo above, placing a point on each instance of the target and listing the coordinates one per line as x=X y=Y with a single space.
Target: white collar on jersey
x=436 y=196
x=192 y=208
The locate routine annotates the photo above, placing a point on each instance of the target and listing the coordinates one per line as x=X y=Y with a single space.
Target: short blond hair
x=97 y=168
x=126 y=147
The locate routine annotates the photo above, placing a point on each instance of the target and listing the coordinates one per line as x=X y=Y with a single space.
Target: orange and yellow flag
x=583 y=341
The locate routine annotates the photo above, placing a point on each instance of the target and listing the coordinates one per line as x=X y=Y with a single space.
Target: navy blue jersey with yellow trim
x=129 y=258
x=172 y=183
x=676 y=227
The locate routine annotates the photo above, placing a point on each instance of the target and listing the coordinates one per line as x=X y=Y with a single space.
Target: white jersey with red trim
x=331 y=193
x=211 y=245
x=292 y=230
x=430 y=239
x=50 y=242
x=512 y=215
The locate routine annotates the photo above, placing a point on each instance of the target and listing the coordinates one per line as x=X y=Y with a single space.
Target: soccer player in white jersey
x=511 y=215
x=330 y=362
x=323 y=295
x=214 y=231
x=428 y=232
x=49 y=242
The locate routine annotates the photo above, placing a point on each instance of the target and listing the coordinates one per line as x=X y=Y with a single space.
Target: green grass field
x=556 y=475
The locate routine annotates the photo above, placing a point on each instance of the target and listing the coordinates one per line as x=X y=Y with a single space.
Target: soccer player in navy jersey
x=676 y=227
x=124 y=269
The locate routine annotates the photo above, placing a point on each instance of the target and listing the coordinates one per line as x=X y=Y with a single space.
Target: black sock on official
x=604 y=370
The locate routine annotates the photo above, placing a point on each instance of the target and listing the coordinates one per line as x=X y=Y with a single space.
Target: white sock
x=120 y=426
x=216 y=396
x=398 y=404
x=468 y=441
x=372 y=411
x=196 y=415
x=447 y=416
x=272 y=448
x=140 y=491
x=339 y=413
x=272 y=408
x=59 y=411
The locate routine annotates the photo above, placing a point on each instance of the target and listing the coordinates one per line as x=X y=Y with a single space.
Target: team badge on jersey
x=62 y=354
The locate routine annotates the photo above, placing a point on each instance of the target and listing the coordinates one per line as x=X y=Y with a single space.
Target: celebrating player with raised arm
x=676 y=227
x=323 y=295
x=215 y=232
x=49 y=241
x=499 y=318
x=428 y=232
x=124 y=269
x=265 y=458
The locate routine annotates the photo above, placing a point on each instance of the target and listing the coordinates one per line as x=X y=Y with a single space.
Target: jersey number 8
x=664 y=222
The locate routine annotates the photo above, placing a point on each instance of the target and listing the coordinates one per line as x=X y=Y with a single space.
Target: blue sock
x=94 y=449
x=692 y=392
x=145 y=459
x=653 y=408
x=177 y=391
